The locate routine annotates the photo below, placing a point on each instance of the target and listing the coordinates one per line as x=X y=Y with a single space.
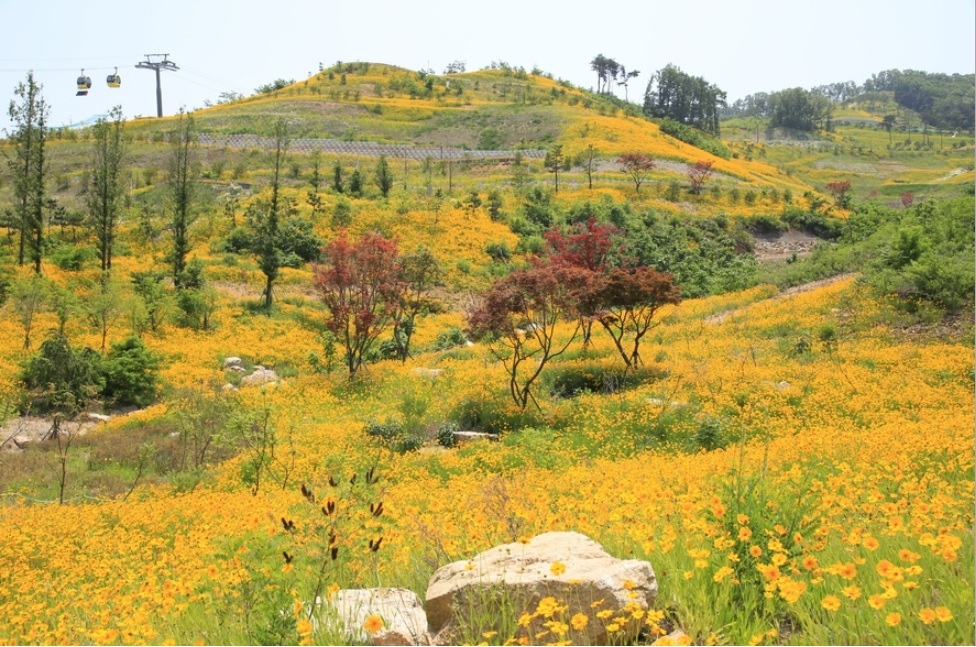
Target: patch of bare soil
x=17 y=433
x=783 y=245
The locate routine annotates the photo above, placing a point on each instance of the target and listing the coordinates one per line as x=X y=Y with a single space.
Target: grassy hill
x=795 y=463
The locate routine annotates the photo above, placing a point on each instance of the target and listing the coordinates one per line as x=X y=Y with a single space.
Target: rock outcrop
x=552 y=578
x=402 y=613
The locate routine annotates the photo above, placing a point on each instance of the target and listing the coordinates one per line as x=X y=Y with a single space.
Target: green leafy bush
x=59 y=378
x=131 y=373
x=71 y=258
x=695 y=137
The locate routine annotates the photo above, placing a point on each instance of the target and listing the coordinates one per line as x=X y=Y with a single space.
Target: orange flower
x=373 y=624
x=927 y=615
x=877 y=601
x=906 y=555
x=943 y=614
x=852 y=592
x=847 y=570
x=893 y=619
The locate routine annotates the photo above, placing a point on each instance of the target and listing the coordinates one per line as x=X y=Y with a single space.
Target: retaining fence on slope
x=368 y=149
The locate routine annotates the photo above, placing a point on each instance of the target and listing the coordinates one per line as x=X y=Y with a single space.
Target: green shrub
x=61 y=379
x=131 y=373
x=695 y=137
x=71 y=258
x=498 y=251
x=571 y=380
x=450 y=338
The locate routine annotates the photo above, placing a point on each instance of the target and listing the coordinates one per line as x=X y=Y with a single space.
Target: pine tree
x=105 y=192
x=182 y=187
x=29 y=117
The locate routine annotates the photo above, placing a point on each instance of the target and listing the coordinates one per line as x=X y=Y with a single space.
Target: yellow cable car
x=84 y=85
x=114 y=80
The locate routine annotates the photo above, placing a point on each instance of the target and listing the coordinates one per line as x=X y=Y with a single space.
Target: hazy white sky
x=743 y=46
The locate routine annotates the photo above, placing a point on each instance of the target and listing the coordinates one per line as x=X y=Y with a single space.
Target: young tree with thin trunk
x=28 y=297
x=29 y=115
x=182 y=185
x=889 y=123
x=589 y=164
x=520 y=313
x=268 y=221
x=698 y=174
x=359 y=283
x=554 y=161
x=841 y=190
x=104 y=197
x=384 y=176
x=638 y=166
x=419 y=273
x=590 y=246
x=630 y=299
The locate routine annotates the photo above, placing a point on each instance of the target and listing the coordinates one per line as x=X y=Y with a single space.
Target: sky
x=742 y=46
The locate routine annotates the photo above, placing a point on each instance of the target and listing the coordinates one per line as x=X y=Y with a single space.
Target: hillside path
x=720 y=317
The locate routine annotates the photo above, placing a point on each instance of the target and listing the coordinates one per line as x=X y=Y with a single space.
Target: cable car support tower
x=158 y=62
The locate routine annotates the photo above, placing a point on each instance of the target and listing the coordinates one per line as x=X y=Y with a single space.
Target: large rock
x=233 y=363
x=260 y=376
x=570 y=568
x=430 y=373
x=404 y=621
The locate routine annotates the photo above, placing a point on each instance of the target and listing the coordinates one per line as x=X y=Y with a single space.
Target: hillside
x=300 y=371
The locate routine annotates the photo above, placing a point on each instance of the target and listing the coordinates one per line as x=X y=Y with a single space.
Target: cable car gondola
x=84 y=84
x=114 y=80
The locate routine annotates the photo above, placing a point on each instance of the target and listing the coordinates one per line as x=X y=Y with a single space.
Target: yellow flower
x=744 y=533
x=304 y=627
x=742 y=519
x=722 y=573
x=893 y=619
x=927 y=615
x=871 y=544
x=830 y=603
x=333 y=589
x=877 y=601
x=557 y=568
x=579 y=621
x=755 y=551
x=852 y=592
x=943 y=614
x=373 y=624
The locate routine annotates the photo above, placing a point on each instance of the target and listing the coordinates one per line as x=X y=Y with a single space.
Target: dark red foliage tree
x=629 y=300
x=590 y=246
x=638 y=166
x=698 y=173
x=518 y=317
x=360 y=284
x=841 y=190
